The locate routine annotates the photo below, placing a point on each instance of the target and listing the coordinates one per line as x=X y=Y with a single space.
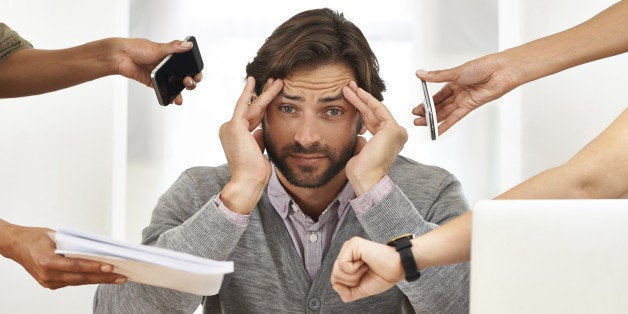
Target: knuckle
x=223 y=129
x=76 y=266
x=44 y=278
x=44 y=262
x=402 y=133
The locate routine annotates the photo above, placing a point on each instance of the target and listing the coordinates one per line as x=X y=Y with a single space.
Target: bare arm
x=35 y=71
x=599 y=170
x=602 y=36
x=479 y=81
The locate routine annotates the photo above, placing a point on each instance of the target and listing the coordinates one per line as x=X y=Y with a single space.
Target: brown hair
x=314 y=38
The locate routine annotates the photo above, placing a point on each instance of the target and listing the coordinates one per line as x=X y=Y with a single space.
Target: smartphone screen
x=430 y=112
x=168 y=76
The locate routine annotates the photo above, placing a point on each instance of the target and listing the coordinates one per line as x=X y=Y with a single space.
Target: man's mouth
x=307 y=159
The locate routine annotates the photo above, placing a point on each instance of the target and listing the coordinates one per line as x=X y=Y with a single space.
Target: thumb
x=258 y=134
x=360 y=143
x=438 y=76
x=175 y=46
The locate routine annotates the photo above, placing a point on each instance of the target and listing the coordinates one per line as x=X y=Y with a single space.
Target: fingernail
x=421 y=72
x=186 y=44
x=120 y=280
x=106 y=269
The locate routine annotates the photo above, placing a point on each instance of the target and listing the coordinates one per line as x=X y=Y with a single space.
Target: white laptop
x=549 y=256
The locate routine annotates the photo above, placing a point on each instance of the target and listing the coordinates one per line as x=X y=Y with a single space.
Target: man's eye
x=334 y=112
x=287 y=109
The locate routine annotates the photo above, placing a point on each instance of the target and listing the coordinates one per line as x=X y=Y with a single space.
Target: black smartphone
x=168 y=75
x=430 y=112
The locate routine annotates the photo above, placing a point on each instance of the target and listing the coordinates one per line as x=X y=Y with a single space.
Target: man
x=314 y=87
x=25 y=71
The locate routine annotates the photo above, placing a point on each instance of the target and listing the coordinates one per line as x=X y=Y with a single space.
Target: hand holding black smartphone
x=168 y=75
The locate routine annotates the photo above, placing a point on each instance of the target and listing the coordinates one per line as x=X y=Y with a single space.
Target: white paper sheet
x=146 y=264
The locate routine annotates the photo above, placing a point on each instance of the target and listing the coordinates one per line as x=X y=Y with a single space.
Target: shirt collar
x=281 y=200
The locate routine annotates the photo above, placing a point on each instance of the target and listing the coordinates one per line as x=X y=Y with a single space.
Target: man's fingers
x=381 y=112
x=368 y=116
x=243 y=102
x=257 y=108
x=270 y=92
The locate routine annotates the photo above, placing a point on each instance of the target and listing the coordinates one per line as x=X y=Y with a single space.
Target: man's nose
x=308 y=132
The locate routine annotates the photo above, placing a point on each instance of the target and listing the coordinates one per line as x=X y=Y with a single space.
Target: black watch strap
x=403 y=245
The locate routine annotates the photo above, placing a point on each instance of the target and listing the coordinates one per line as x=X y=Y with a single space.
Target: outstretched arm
x=34 y=71
x=479 y=81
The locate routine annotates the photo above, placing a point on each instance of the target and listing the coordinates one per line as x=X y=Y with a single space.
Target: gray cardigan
x=269 y=275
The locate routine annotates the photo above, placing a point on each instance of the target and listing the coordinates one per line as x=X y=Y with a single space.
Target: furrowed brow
x=331 y=98
x=291 y=97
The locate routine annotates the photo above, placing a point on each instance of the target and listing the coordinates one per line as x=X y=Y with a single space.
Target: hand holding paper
x=146 y=264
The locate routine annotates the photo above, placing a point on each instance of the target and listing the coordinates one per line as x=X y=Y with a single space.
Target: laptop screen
x=549 y=256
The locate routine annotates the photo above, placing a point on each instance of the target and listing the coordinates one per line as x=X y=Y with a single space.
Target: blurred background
x=97 y=156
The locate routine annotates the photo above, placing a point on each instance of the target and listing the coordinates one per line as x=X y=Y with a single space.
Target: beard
x=308 y=176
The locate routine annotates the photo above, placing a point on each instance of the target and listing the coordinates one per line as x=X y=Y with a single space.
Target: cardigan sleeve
x=10 y=42
x=182 y=221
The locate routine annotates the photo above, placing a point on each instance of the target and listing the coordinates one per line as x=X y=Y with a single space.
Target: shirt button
x=313 y=237
x=314 y=304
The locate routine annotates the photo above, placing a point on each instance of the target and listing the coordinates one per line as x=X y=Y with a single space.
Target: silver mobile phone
x=168 y=75
x=430 y=112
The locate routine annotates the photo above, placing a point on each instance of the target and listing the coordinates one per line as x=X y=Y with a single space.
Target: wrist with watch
x=403 y=245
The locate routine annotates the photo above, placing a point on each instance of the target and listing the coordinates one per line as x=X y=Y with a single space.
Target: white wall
x=57 y=150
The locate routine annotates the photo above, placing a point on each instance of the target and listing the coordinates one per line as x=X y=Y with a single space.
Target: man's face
x=310 y=129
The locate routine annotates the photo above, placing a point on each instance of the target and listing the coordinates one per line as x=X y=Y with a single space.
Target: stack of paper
x=145 y=264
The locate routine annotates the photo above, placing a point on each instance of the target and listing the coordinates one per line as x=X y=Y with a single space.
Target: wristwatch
x=403 y=245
